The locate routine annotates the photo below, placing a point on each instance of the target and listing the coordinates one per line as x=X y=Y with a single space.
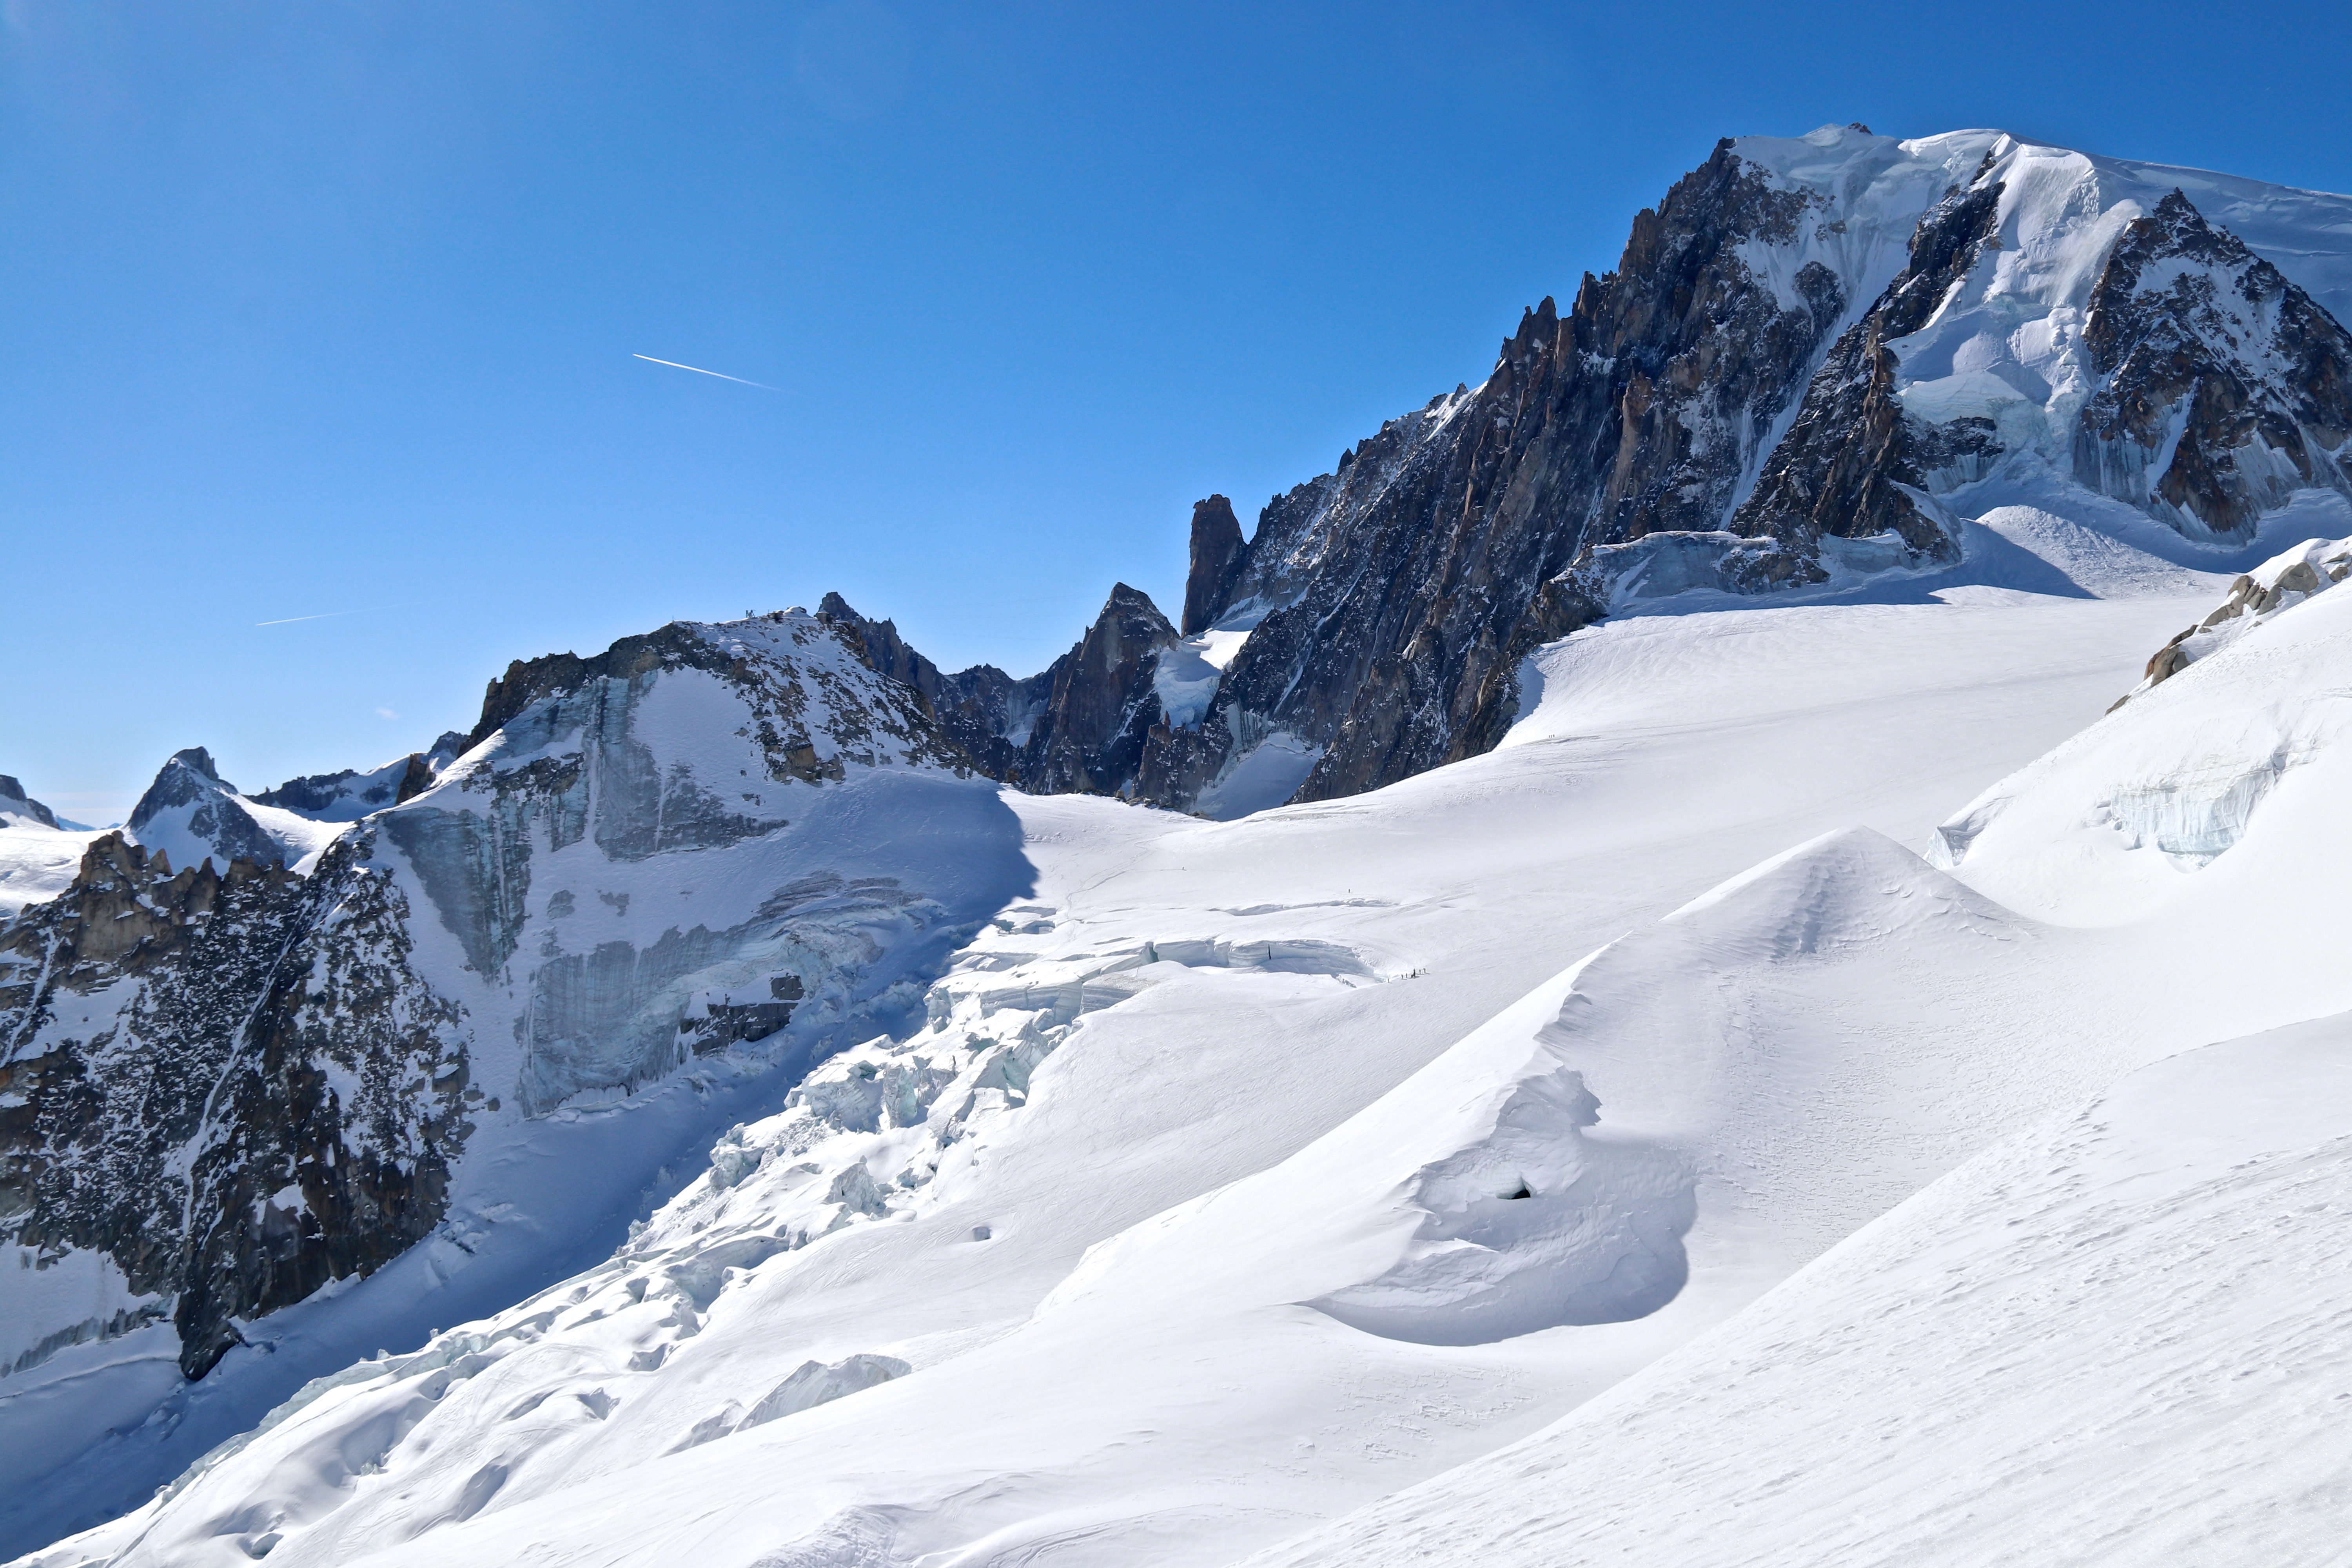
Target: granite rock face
x=1855 y=463
x=976 y=708
x=1399 y=593
x=1099 y=702
x=231 y=1082
x=229 y=1079
x=1217 y=551
x=2224 y=387
x=1080 y=727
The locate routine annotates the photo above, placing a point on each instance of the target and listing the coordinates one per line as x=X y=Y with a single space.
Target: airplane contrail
x=326 y=615
x=699 y=370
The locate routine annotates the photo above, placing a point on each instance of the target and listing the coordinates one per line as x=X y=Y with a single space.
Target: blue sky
x=326 y=309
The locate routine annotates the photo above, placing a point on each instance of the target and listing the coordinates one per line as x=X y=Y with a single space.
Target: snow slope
x=1266 y=1008
x=2112 y=1340
x=2118 y=1338
x=37 y=861
x=1219 y=1187
x=37 y=853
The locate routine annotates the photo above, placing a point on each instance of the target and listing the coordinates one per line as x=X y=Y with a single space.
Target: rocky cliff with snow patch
x=1813 y=358
x=227 y=1082
x=269 y=1042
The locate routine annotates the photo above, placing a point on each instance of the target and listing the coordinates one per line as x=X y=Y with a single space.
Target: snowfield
x=1217 y=1198
x=2119 y=1338
x=1861 y=1076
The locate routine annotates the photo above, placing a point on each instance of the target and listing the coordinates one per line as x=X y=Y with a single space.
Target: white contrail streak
x=326 y=615
x=699 y=370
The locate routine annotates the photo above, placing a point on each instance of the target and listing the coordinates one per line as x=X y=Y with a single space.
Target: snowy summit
x=1722 y=948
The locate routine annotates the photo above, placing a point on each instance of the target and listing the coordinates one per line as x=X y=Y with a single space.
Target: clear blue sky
x=325 y=307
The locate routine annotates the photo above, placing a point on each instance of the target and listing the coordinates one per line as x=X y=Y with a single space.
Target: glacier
x=1849 y=1068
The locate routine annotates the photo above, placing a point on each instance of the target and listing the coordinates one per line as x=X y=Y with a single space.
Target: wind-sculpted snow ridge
x=2279 y=583
x=2113 y=1338
x=2118 y=1338
x=658 y=880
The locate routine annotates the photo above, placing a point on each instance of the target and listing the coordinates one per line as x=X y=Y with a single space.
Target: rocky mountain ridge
x=263 y=1043
x=2225 y=387
x=230 y=1084
x=242 y=1054
x=15 y=803
x=1807 y=361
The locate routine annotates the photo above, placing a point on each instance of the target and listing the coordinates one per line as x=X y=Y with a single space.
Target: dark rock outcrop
x=1402 y=590
x=2224 y=387
x=275 y=1105
x=1079 y=727
x=2253 y=598
x=416 y=778
x=15 y=802
x=1853 y=463
x=974 y=706
x=1217 y=549
x=1099 y=702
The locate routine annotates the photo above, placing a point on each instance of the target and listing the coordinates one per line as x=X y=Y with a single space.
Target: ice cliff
x=248 y=1049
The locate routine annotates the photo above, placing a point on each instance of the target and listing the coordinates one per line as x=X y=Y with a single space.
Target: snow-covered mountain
x=2117 y=1336
x=253 y=1054
x=1817 y=358
x=38 y=849
x=850 y=1124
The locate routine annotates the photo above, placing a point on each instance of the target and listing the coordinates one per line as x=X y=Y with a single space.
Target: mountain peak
x=199 y=761
x=1216 y=554
x=15 y=802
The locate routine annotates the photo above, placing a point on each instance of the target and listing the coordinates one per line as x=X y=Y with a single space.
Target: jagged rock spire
x=1217 y=548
